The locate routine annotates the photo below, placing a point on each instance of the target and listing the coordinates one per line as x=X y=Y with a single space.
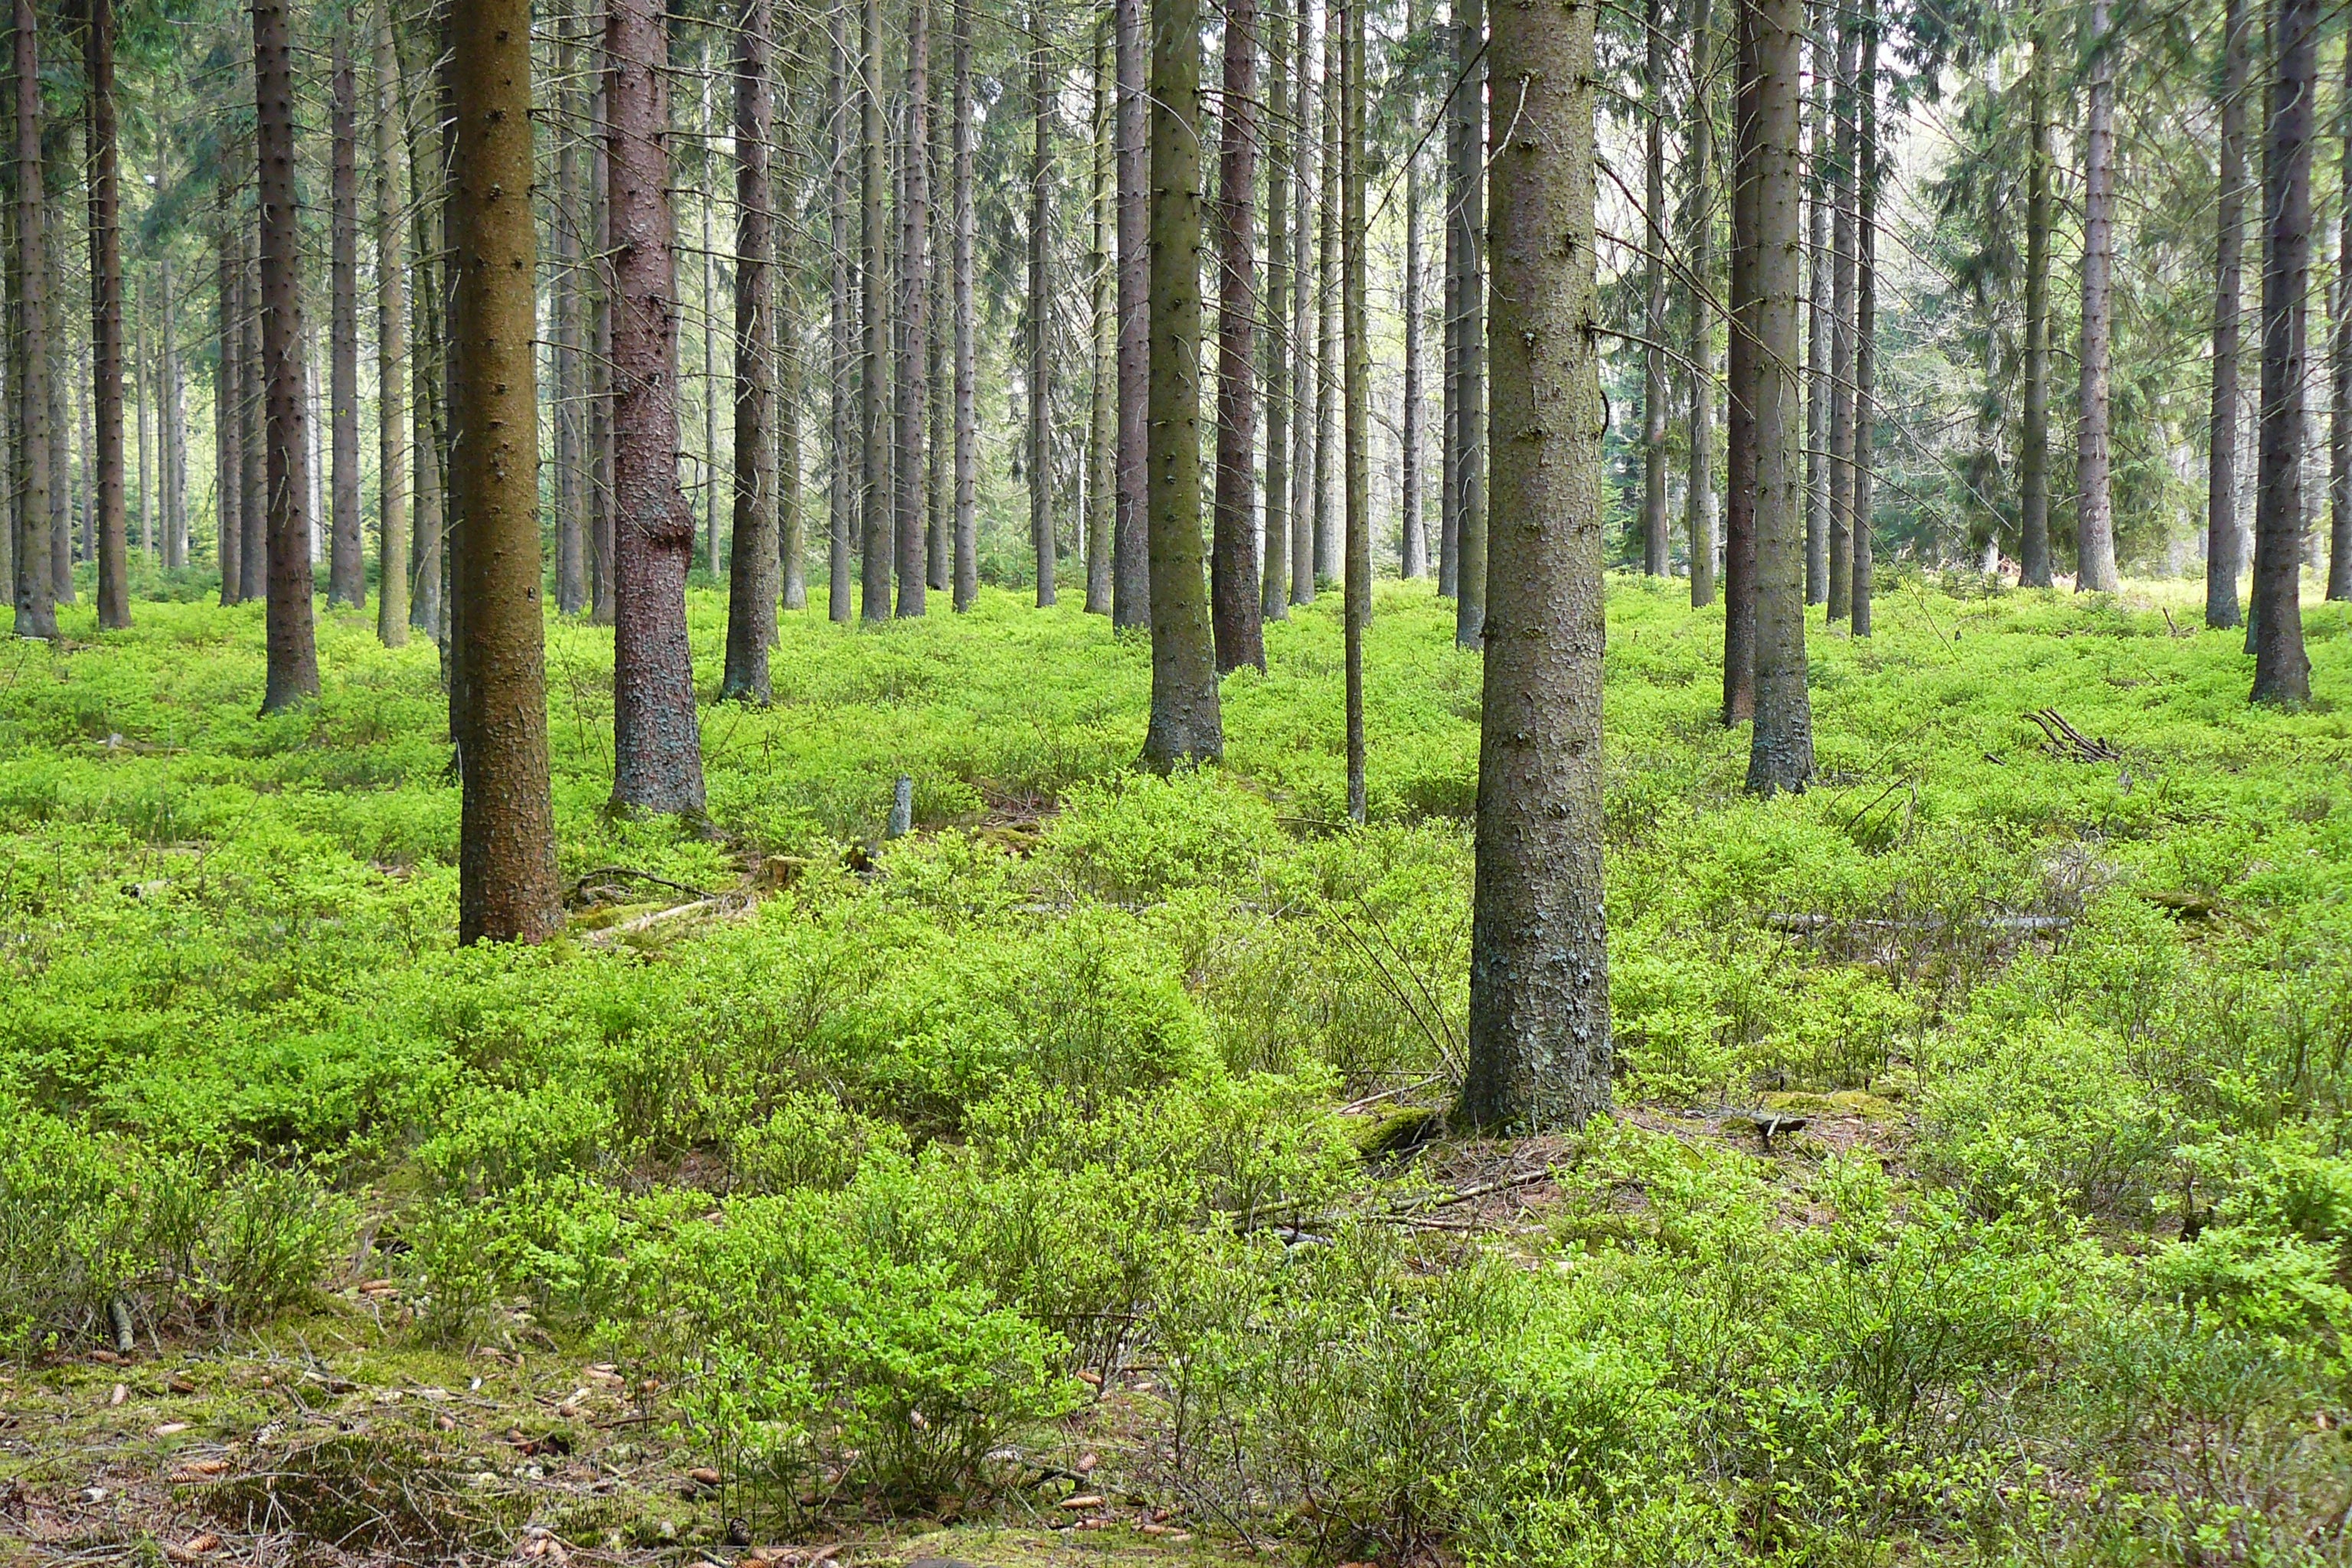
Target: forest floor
x=1067 y=1182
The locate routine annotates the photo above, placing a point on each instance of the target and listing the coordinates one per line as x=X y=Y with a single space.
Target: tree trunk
x=253 y=557
x=656 y=747
x=426 y=559
x=1699 y=245
x=1131 y=590
x=914 y=312
x=599 y=283
x=1413 y=537
x=1780 y=750
x=28 y=376
x=2094 y=523
x=792 y=518
x=142 y=387
x=1187 y=725
x=1449 y=417
x=1330 y=546
x=228 y=389
x=1232 y=557
x=170 y=434
x=392 y=351
x=1302 y=316
x=1102 y=391
x=293 y=665
x=1865 y=318
x=939 y=547
x=346 y=568
x=2224 y=542
x=1654 y=321
x=967 y=423
x=1820 y=375
x=507 y=888
x=63 y=383
x=1540 y=1047
x=2282 y=671
x=1040 y=312
x=1356 y=375
x=570 y=312
x=1274 y=569
x=847 y=470
x=2033 y=459
x=1744 y=373
x=750 y=589
x=1842 y=338
x=1470 y=312
x=106 y=320
x=2339 y=409
x=874 y=403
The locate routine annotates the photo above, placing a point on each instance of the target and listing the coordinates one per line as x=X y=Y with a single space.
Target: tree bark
x=847 y=468
x=967 y=423
x=1699 y=245
x=2282 y=671
x=1233 y=557
x=1781 y=749
x=427 y=558
x=913 y=324
x=1274 y=569
x=392 y=351
x=570 y=312
x=1356 y=375
x=2339 y=409
x=752 y=557
x=28 y=376
x=791 y=190
x=2034 y=458
x=1131 y=591
x=293 y=661
x=346 y=567
x=1102 y=391
x=253 y=557
x=171 y=434
x=599 y=282
x=1820 y=268
x=228 y=389
x=1745 y=371
x=507 y=888
x=1302 y=318
x=656 y=747
x=1865 y=319
x=1842 y=333
x=2224 y=543
x=1187 y=725
x=938 y=547
x=1412 y=534
x=2094 y=523
x=874 y=403
x=1653 y=318
x=1040 y=391
x=1329 y=370
x=1539 y=1053
x=1470 y=308
x=106 y=320
x=1449 y=416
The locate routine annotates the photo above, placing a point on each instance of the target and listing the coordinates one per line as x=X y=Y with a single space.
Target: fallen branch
x=627 y=873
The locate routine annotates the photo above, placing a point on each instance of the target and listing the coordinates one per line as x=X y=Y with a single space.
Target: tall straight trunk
x=709 y=335
x=427 y=557
x=106 y=320
x=1842 y=338
x=938 y=547
x=750 y=585
x=1040 y=391
x=142 y=387
x=1330 y=546
x=1654 y=321
x=847 y=470
x=29 y=373
x=1102 y=391
x=1302 y=317
x=1413 y=534
x=1274 y=568
x=390 y=348
x=1449 y=417
x=64 y=384
x=228 y=392
x=967 y=423
x=914 y=326
x=1130 y=570
x=2033 y=435
x=1540 y=1050
x=571 y=311
x=2339 y=407
x=792 y=515
x=346 y=568
x=1744 y=370
x=656 y=748
x=507 y=888
x=1472 y=74
x=170 y=434
x=2094 y=520
x=1698 y=247
x=1233 y=555
x=2224 y=543
x=1865 y=316
x=1820 y=377
x=293 y=661
x=599 y=352
x=1781 y=749
x=874 y=350
x=1356 y=586
x=1187 y=724
x=2282 y=670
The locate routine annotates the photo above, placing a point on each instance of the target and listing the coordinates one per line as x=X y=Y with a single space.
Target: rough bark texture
x=569 y=285
x=599 y=376
x=29 y=373
x=1187 y=725
x=106 y=320
x=2034 y=435
x=657 y=749
x=750 y=586
x=346 y=567
x=1781 y=749
x=847 y=472
x=1698 y=244
x=293 y=662
x=229 y=385
x=171 y=432
x=1233 y=556
x=1449 y=417
x=1820 y=267
x=1842 y=340
x=2282 y=672
x=507 y=888
x=2339 y=407
x=2095 y=519
x=1329 y=370
x=253 y=554
x=1040 y=389
x=1865 y=319
x=1131 y=604
x=874 y=401
x=1540 y=1046
x=392 y=351
x=1743 y=374
x=1413 y=532
x=1653 y=318
x=1274 y=569
x=967 y=423
x=1302 y=308
x=1355 y=396
x=1470 y=313
x=792 y=516
x=428 y=558
x=913 y=324
x=2224 y=541
x=1102 y=339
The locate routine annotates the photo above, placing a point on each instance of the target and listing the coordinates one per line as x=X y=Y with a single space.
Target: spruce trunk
x=105 y=450
x=752 y=553
x=293 y=662
x=1232 y=557
x=346 y=566
x=2224 y=540
x=392 y=351
x=2094 y=521
x=2282 y=670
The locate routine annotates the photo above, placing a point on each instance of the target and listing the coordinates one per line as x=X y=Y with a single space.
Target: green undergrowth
x=865 y=1165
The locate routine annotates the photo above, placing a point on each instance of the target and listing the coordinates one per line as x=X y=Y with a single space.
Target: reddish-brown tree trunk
x=293 y=671
x=392 y=352
x=1131 y=567
x=106 y=320
x=1233 y=555
x=28 y=376
x=913 y=323
x=750 y=596
x=346 y=571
